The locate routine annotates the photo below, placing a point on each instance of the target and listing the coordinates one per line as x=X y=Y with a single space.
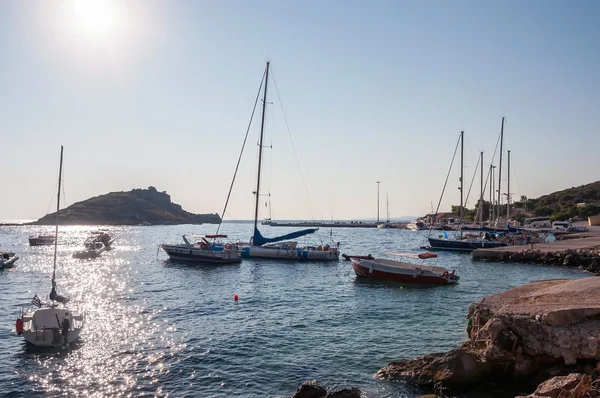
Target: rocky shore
x=541 y=339
x=585 y=259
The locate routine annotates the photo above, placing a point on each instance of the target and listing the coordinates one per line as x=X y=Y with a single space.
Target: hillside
x=580 y=201
x=139 y=206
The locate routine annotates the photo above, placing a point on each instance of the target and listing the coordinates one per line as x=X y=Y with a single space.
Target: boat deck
x=401 y=264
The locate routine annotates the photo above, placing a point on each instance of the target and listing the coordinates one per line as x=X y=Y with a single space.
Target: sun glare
x=95 y=17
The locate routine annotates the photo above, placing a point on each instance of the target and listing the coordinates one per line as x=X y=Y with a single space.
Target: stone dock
x=558 y=246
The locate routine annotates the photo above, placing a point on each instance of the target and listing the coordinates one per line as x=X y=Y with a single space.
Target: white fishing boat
x=41 y=240
x=101 y=236
x=204 y=249
x=51 y=323
x=7 y=260
x=282 y=247
x=92 y=250
x=404 y=271
x=416 y=225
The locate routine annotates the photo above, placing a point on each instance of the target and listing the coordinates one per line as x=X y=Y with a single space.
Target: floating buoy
x=235 y=297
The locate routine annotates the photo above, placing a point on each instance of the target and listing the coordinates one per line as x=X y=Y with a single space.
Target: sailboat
x=462 y=243
x=51 y=323
x=281 y=247
x=386 y=224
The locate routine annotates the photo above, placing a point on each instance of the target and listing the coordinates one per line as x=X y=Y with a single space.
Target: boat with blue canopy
x=282 y=247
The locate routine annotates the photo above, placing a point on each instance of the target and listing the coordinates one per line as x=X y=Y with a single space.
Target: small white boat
x=204 y=249
x=101 y=236
x=92 y=250
x=41 y=240
x=47 y=325
x=402 y=271
x=7 y=260
x=416 y=225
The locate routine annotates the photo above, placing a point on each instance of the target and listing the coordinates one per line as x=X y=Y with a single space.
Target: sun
x=95 y=17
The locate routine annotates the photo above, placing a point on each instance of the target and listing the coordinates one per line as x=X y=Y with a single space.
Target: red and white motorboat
x=400 y=271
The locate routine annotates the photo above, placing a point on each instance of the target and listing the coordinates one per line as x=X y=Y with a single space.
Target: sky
x=160 y=93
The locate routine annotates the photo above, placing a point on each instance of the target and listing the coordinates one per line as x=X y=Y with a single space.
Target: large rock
x=312 y=389
x=453 y=368
x=575 y=385
x=522 y=335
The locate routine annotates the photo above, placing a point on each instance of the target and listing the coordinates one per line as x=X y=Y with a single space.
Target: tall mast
x=481 y=195
x=57 y=219
x=462 y=145
x=378 y=202
x=260 y=144
x=387 y=205
x=491 y=210
x=508 y=188
x=500 y=165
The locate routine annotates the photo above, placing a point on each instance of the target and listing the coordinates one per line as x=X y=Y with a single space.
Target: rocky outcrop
x=574 y=385
x=522 y=337
x=312 y=389
x=139 y=206
x=585 y=259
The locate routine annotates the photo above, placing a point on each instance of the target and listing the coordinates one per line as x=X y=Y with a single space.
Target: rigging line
x=488 y=176
x=512 y=161
x=298 y=157
x=241 y=152
x=472 y=180
x=445 y=183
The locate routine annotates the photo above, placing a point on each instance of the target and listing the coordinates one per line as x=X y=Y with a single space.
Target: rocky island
x=138 y=206
x=542 y=339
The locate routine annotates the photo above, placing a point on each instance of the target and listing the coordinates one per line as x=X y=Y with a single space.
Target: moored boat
x=7 y=260
x=101 y=236
x=403 y=271
x=281 y=247
x=49 y=325
x=204 y=249
x=91 y=250
x=41 y=240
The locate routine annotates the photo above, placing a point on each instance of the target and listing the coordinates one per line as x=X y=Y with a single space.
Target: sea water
x=158 y=328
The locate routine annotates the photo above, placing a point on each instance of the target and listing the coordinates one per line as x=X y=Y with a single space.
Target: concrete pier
x=500 y=253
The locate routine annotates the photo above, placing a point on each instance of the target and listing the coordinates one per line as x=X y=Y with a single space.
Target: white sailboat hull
x=299 y=254
x=43 y=327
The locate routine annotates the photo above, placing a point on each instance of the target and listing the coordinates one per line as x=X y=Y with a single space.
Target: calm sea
x=159 y=328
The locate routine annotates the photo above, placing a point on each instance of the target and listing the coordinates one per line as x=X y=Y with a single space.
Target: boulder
x=575 y=385
x=310 y=389
x=456 y=367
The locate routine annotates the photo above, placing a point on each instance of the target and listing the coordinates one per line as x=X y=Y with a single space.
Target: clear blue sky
x=159 y=93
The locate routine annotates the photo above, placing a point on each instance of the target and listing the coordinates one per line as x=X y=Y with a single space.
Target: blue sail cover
x=259 y=240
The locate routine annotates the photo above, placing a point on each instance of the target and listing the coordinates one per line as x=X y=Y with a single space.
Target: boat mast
x=481 y=195
x=387 y=205
x=491 y=211
x=260 y=144
x=57 y=220
x=508 y=188
x=500 y=165
x=462 y=145
x=378 y=202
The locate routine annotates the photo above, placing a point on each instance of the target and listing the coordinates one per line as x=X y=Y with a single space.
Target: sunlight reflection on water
x=158 y=328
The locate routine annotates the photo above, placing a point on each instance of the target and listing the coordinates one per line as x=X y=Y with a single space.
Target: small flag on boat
x=36 y=301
